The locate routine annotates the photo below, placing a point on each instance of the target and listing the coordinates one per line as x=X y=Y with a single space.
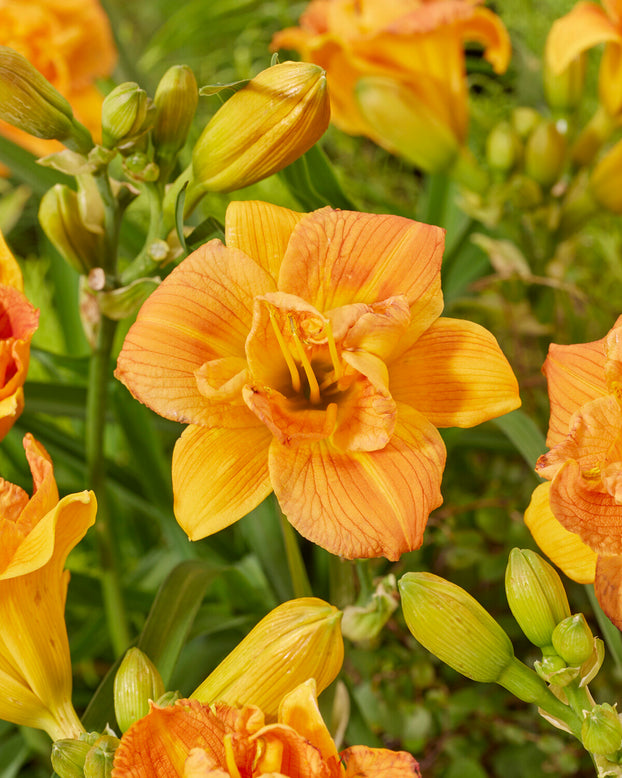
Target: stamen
x=331 y=416
x=314 y=389
x=332 y=349
x=232 y=768
x=287 y=355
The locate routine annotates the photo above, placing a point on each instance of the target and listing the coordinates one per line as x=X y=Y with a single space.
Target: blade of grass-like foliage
x=469 y=264
x=13 y=754
x=64 y=280
x=524 y=434
x=610 y=633
x=24 y=167
x=313 y=182
x=56 y=399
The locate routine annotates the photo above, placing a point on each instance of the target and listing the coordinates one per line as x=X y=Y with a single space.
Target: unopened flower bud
x=573 y=640
x=262 y=128
x=175 y=102
x=453 y=626
x=28 y=101
x=364 y=622
x=601 y=732
x=124 y=112
x=554 y=670
x=536 y=595
x=564 y=90
x=100 y=758
x=545 y=154
x=525 y=120
x=122 y=302
x=503 y=147
x=136 y=683
x=68 y=757
x=605 y=180
x=298 y=640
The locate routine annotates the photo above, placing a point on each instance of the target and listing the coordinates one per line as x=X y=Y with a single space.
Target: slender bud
x=545 y=154
x=503 y=147
x=136 y=683
x=68 y=757
x=573 y=640
x=536 y=595
x=298 y=640
x=564 y=90
x=175 y=102
x=453 y=626
x=124 y=112
x=262 y=128
x=364 y=622
x=28 y=101
x=601 y=732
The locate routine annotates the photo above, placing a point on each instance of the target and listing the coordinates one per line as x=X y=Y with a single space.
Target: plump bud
x=28 y=101
x=136 y=683
x=536 y=595
x=61 y=219
x=525 y=120
x=68 y=757
x=564 y=90
x=503 y=147
x=124 y=112
x=298 y=640
x=364 y=622
x=545 y=154
x=601 y=732
x=100 y=758
x=554 y=670
x=605 y=180
x=573 y=640
x=262 y=128
x=175 y=103
x=453 y=626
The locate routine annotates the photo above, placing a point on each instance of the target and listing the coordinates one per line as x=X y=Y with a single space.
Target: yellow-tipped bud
x=298 y=640
x=68 y=757
x=136 y=683
x=503 y=147
x=601 y=732
x=545 y=154
x=564 y=90
x=573 y=640
x=175 y=102
x=124 y=114
x=28 y=101
x=453 y=626
x=262 y=128
x=536 y=595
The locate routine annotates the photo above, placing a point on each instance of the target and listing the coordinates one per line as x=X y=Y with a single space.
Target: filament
x=314 y=389
x=287 y=355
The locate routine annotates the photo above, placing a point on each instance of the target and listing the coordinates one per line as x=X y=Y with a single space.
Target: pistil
x=232 y=768
x=314 y=388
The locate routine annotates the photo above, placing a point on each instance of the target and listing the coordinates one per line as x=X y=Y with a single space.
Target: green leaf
x=179 y=217
x=13 y=754
x=524 y=434
x=214 y=89
x=24 y=167
x=312 y=181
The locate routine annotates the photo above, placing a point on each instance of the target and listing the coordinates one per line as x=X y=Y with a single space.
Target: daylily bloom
x=71 y=44
x=576 y=518
x=396 y=68
x=309 y=358
x=194 y=740
x=36 y=535
x=18 y=322
x=584 y=27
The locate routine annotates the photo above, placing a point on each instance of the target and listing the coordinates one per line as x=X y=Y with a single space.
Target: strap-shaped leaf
x=524 y=434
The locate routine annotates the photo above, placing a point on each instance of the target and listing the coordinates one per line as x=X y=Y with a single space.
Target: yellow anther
x=314 y=388
x=287 y=355
x=232 y=768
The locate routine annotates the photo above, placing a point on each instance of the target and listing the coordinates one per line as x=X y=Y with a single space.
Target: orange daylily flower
x=194 y=740
x=584 y=467
x=584 y=27
x=36 y=535
x=18 y=322
x=71 y=44
x=308 y=357
x=396 y=68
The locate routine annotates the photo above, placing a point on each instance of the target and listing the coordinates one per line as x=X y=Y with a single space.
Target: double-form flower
x=18 y=322
x=36 y=535
x=576 y=517
x=396 y=70
x=195 y=740
x=308 y=357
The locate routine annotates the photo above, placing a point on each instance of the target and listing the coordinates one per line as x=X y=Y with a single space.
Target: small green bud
x=545 y=154
x=100 y=758
x=604 y=182
x=555 y=671
x=536 y=595
x=453 y=626
x=168 y=699
x=68 y=757
x=137 y=681
x=122 y=302
x=573 y=640
x=525 y=120
x=601 y=732
x=28 y=101
x=124 y=112
x=503 y=147
x=564 y=90
x=175 y=102
x=364 y=622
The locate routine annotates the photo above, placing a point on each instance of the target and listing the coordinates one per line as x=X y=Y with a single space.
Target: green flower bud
x=453 y=626
x=262 y=128
x=99 y=760
x=168 y=699
x=28 y=101
x=564 y=90
x=68 y=757
x=555 y=671
x=175 y=102
x=136 y=683
x=604 y=182
x=525 y=120
x=601 y=732
x=364 y=622
x=124 y=112
x=503 y=147
x=545 y=154
x=536 y=595
x=573 y=640
x=120 y=303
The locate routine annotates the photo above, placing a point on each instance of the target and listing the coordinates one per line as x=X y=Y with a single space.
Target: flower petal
x=363 y=504
x=201 y=311
x=564 y=548
x=261 y=230
x=608 y=587
x=456 y=375
x=219 y=475
x=364 y=762
x=487 y=29
x=339 y=257
x=10 y=273
x=585 y=26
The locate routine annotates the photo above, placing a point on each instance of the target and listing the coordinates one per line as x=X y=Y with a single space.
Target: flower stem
x=295 y=563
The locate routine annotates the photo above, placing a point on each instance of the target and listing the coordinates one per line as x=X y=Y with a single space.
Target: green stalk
x=295 y=563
